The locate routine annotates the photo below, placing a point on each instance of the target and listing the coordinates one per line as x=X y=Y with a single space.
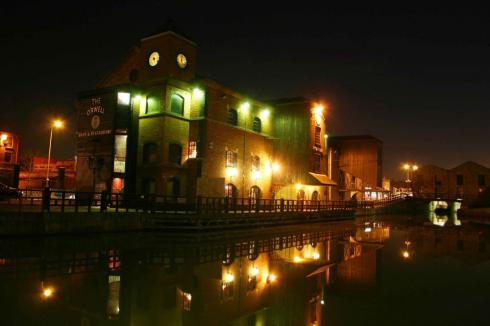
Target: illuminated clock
x=153 y=59
x=181 y=61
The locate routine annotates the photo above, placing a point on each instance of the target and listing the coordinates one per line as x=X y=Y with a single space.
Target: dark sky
x=416 y=78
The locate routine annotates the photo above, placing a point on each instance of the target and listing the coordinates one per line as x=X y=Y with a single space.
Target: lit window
x=175 y=153
x=152 y=103
x=227 y=290
x=186 y=301
x=123 y=98
x=192 y=150
x=120 y=153
x=230 y=190
x=252 y=282
x=231 y=159
x=232 y=117
x=177 y=104
x=113 y=260
x=257 y=125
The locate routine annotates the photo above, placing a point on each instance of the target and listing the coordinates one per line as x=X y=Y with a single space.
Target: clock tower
x=156 y=58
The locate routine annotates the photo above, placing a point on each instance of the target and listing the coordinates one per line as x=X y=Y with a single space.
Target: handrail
x=78 y=201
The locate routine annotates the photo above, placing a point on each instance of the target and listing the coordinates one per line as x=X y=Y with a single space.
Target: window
x=152 y=103
x=481 y=180
x=186 y=301
x=7 y=157
x=173 y=187
x=459 y=180
x=149 y=153
x=232 y=117
x=314 y=196
x=252 y=282
x=123 y=98
x=317 y=160
x=230 y=191
x=149 y=186
x=177 y=104
x=231 y=159
x=255 y=193
x=120 y=153
x=227 y=290
x=175 y=153
x=257 y=125
x=300 y=195
x=318 y=131
x=192 y=150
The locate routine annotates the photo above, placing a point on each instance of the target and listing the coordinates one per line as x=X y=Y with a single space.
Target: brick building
x=61 y=174
x=356 y=166
x=9 y=158
x=466 y=180
x=153 y=126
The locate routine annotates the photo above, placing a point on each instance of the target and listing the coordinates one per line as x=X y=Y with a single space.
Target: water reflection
x=292 y=276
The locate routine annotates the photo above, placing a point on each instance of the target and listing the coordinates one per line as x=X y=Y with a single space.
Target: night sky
x=418 y=79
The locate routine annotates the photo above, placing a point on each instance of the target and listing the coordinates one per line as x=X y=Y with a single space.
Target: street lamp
x=409 y=167
x=56 y=124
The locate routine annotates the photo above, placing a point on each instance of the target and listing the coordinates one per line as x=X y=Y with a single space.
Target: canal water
x=397 y=270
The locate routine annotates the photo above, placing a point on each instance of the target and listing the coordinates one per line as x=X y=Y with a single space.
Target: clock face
x=181 y=60
x=153 y=58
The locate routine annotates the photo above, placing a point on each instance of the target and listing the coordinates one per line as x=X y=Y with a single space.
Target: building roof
x=470 y=163
x=171 y=28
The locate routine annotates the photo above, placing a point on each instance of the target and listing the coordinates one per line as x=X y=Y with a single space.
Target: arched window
x=257 y=125
x=152 y=103
x=255 y=193
x=230 y=191
x=175 y=153
x=149 y=153
x=314 y=196
x=301 y=194
x=177 y=104
x=232 y=117
x=149 y=186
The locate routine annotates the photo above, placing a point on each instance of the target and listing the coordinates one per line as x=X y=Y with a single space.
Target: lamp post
x=56 y=124
x=409 y=167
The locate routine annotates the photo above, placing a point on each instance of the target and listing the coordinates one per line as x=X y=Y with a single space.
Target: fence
x=71 y=201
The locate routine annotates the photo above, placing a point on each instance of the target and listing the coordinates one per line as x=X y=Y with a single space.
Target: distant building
x=152 y=126
x=356 y=164
x=466 y=180
x=61 y=174
x=9 y=158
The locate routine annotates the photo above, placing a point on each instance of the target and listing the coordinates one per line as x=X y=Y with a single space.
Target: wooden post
x=46 y=199
x=63 y=194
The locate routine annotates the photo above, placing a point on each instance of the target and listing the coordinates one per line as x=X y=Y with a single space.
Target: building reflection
x=280 y=279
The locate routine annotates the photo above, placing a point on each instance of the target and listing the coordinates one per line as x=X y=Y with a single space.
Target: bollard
x=103 y=200
x=46 y=199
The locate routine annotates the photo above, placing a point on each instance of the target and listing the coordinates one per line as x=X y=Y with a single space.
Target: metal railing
x=75 y=201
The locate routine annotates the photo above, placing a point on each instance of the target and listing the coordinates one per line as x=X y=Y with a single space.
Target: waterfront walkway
x=43 y=212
